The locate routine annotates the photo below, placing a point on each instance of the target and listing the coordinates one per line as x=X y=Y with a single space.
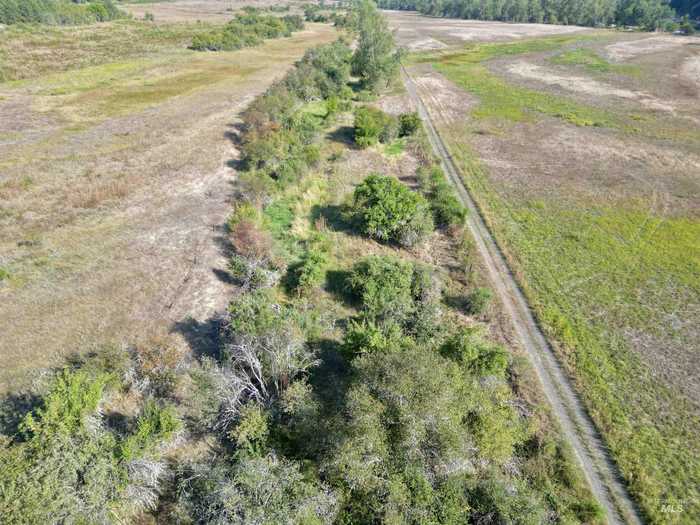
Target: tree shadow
x=457 y=302
x=337 y=283
x=13 y=408
x=331 y=379
x=203 y=337
x=344 y=135
x=335 y=217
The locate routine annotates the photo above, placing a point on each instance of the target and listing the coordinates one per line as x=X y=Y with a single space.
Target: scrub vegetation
x=345 y=387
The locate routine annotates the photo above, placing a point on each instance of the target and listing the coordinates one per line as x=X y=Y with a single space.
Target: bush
x=387 y=210
x=383 y=285
x=408 y=124
x=309 y=272
x=155 y=425
x=482 y=358
x=447 y=210
x=478 y=301
x=373 y=125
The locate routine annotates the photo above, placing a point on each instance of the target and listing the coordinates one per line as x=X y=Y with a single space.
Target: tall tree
x=375 y=60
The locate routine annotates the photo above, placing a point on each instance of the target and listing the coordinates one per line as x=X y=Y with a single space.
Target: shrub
x=309 y=272
x=408 y=124
x=481 y=357
x=155 y=425
x=368 y=337
x=252 y=430
x=384 y=286
x=478 y=301
x=446 y=209
x=373 y=125
x=387 y=210
x=252 y=265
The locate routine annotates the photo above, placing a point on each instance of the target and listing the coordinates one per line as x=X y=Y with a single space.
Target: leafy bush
x=408 y=124
x=384 y=286
x=447 y=210
x=478 y=301
x=387 y=210
x=482 y=358
x=155 y=425
x=309 y=272
x=373 y=125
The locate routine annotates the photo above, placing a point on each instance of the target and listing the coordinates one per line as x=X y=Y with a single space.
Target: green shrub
x=384 y=287
x=387 y=210
x=481 y=357
x=368 y=337
x=373 y=125
x=408 y=124
x=252 y=431
x=478 y=301
x=446 y=209
x=155 y=425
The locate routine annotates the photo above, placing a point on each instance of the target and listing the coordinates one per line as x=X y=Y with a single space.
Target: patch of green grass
x=593 y=273
x=4 y=274
x=279 y=217
x=593 y=62
x=395 y=148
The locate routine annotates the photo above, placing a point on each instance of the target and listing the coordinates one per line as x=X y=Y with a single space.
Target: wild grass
x=28 y=51
x=593 y=62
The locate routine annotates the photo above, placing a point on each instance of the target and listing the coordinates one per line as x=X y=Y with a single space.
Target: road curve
x=599 y=468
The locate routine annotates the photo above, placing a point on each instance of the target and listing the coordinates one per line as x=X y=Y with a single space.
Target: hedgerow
x=246 y=30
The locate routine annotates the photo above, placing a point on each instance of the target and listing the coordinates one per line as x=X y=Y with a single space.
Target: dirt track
x=578 y=428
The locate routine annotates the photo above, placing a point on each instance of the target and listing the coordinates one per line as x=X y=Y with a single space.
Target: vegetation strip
x=580 y=430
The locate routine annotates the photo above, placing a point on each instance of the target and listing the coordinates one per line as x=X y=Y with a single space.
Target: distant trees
x=646 y=13
x=57 y=12
x=246 y=30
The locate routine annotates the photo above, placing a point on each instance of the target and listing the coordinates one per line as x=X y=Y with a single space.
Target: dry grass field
x=115 y=176
x=193 y=10
x=583 y=152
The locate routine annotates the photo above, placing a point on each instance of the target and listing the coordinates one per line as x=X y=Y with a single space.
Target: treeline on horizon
x=649 y=14
x=57 y=12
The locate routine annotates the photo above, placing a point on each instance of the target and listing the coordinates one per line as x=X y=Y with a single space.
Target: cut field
x=116 y=162
x=583 y=153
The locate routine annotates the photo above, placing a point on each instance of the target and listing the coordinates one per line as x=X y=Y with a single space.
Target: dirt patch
x=586 y=85
x=621 y=51
x=426 y=44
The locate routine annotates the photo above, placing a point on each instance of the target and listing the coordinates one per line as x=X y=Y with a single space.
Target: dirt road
x=599 y=468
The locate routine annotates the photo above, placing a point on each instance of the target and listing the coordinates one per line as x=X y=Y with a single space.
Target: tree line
x=649 y=14
x=58 y=12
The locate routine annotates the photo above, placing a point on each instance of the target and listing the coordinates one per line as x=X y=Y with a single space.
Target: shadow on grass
x=335 y=217
x=344 y=135
x=203 y=337
x=13 y=408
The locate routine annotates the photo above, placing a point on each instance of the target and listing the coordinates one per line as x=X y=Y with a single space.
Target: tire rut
x=578 y=428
